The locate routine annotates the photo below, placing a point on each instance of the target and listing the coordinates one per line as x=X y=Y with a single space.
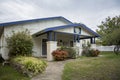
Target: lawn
x=8 y=73
x=105 y=67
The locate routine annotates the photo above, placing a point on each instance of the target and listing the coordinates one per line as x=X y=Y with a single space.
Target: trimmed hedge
x=29 y=66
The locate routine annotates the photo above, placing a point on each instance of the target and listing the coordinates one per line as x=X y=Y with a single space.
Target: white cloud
x=89 y=12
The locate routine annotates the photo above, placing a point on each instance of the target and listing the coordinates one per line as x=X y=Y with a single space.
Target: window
x=77 y=30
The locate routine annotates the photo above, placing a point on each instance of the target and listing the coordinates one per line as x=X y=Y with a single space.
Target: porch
x=47 y=42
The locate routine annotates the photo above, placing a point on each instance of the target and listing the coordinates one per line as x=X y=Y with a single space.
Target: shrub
x=91 y=52
x=71 y=52
x=20 y=43
x=29 y=65
x=59 y=55
x=87 y=51
x=95 y=53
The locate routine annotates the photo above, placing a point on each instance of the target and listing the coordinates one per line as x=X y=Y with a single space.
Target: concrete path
x=53 y=71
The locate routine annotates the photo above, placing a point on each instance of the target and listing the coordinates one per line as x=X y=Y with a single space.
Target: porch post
x=81 y=49
x=93 y=45
x=51 y=46
x=54 y=36
x=77 y=45
x=77 y=48
x=94 y=40
x=91 y=40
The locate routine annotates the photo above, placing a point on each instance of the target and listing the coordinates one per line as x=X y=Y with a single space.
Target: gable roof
x=68 y=26
x=52 y=28
x=90 y=30
x=34 y=20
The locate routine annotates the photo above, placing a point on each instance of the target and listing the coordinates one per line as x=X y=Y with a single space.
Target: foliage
x=20 y=43
x=29 y=65
x=86 y=47
x=59 y=55
x=71 y=51
x=91 y=53
x=115 y=37
x=98 y=42
x=9 y=73
x=110 y=30
x=106 y=67
x=87 y=51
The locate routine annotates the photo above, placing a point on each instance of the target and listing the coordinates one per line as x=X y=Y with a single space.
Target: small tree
x=109 y=31
x=20 y=43
x=115 y=37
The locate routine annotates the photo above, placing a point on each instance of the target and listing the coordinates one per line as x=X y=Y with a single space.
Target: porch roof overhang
x=80 y=36
x=68 y=26
x=74 y=34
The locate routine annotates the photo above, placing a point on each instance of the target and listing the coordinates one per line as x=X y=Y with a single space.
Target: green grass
x=8 y=73
x=105 y=67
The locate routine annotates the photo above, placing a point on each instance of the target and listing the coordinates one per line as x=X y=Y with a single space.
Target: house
x=48 y=34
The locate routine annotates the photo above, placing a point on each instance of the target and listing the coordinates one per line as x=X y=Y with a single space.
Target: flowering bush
x=59 y=55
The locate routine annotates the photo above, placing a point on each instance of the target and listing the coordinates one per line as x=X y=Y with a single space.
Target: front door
x=44 y=47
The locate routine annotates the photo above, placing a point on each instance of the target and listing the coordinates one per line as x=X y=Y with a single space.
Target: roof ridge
x=27 y=19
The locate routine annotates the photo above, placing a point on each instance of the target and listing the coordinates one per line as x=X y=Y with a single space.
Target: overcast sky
x=89 y=12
